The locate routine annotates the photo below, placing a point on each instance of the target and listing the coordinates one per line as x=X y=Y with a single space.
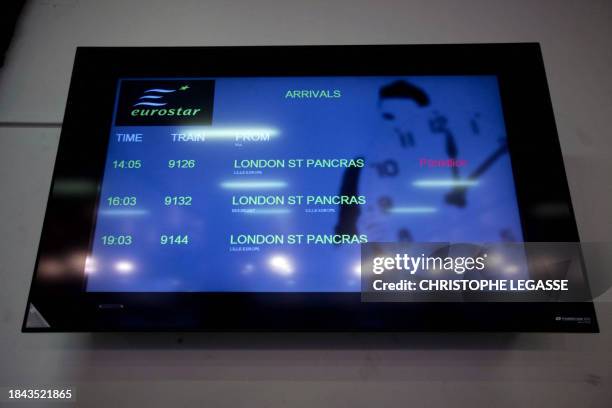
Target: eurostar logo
x=165 y=102
x=154 y=96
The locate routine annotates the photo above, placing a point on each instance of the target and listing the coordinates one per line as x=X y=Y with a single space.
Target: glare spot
x=123 y=213
x=90 y=265
x=124 y=267
x=51 y=267
x=444 y=183
x=266 y=211
x=231 y=133
x=357 y=269
x=511 y=269
x=495 y=260
x=412 y=210
x=281 y=265
x=75 y=260
x=253 y=185
x=248 y=269
x=435 y=271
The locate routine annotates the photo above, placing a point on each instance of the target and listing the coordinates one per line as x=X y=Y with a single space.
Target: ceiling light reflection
x=91 y=265
x=266 y=211
x=444 y=183
x=252 y=185
x=281 y=265
x=357 y=269
x=124 y=267
x=248 y=269
x=412 y=210
x=224 y=133
x=511 y=269
x=123 y=213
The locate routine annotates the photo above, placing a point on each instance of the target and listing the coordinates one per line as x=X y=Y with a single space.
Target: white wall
x=530 y=370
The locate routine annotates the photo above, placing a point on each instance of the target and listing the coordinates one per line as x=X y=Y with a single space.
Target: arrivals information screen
x=310 y=188
x=270 y=184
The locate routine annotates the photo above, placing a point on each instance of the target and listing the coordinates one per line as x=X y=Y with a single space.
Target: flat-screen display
x=270 y=184
x=281 y=188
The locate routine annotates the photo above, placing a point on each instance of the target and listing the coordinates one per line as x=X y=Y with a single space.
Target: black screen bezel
x=69 y=220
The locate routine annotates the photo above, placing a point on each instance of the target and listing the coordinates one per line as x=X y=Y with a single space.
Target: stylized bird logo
x=184 y=88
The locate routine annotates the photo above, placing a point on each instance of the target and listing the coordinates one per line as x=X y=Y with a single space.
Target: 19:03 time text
x=126 y=240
